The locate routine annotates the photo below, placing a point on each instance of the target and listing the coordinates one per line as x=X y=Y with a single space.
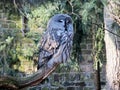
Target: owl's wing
x=47 y=49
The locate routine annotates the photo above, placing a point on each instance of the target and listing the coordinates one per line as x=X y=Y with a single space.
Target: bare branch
x=34 y=79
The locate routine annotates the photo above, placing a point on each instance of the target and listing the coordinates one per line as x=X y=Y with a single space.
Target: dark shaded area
x=77 y=38
x=82 y=84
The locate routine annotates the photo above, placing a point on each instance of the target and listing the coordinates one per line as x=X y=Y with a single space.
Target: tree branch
x=34 y=79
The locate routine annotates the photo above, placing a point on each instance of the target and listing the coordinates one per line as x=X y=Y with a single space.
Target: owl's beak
x=65 y=28
x=66 y=20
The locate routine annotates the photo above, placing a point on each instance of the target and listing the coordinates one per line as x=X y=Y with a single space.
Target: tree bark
x=24 y=22
x=112 y=42
x=15 y=83
x=97 y=77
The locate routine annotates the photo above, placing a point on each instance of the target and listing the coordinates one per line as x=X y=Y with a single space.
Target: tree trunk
x=97 y=77
x=112 y=42
x=24 y=22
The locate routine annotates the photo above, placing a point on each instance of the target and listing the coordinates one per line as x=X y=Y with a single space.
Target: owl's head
x=60 y=21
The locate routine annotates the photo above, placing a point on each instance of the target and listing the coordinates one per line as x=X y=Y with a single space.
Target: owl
x=56 y=42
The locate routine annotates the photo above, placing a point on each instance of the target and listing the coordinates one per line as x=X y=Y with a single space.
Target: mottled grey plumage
x=56 y=43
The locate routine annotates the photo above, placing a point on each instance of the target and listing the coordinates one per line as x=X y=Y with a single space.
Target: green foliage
x=8 y=52
x=13 y=46
x=7 y=7
x=92 y=19
x=87 y=8
x=91 y=12
x=39 y=17
x=98 y=48
x=29 y=47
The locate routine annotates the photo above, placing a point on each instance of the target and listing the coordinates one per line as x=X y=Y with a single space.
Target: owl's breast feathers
x=50 y=45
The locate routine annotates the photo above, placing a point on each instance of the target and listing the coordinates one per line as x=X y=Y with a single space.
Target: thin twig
x=14 y=1
x=106 y=29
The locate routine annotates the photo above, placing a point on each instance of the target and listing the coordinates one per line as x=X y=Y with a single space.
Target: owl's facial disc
x=60 y=21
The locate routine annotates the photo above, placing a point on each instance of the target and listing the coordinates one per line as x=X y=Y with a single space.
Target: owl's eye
x=67 y=21
x=61 y=20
